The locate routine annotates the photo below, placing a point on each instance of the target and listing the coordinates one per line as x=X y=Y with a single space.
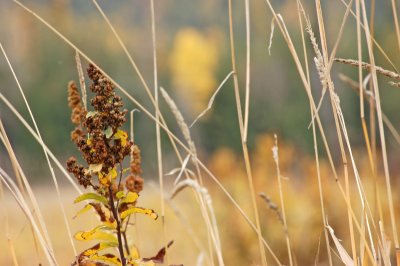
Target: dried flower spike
x=104 y=146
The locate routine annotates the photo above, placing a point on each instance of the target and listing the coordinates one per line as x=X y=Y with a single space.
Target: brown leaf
x=159 y=258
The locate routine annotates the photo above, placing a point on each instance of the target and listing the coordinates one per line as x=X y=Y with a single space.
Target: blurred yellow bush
x=193 y=62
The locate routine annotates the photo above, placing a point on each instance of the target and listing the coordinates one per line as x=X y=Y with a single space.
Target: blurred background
x=193 y=59
x=193 y=54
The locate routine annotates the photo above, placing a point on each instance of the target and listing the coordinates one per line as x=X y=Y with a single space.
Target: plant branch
x=115 y=214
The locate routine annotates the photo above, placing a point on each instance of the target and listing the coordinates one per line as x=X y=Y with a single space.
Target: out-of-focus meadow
x=193 y=47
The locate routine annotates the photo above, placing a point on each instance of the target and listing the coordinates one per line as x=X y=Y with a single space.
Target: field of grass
x=231 y=188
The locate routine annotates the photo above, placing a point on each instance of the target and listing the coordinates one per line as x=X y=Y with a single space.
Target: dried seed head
x=98 y=135
x=136 y=161
x=74 y=102
x=134 y=183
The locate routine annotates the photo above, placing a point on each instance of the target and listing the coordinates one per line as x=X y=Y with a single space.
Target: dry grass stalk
x=243 y=122
x=27 y=193
x=344 y=256
x=209 y=216
x=81 y=79
x=158 y=134
x=273 y=206
x=186 y=225
x=193 y=184
x=173 y=138
x=340 y=121
x=158 y=118
x=318 y=59
x=380 y=123
x=5 y=217
x=301 y=11
x=368 y=66
x=247 y=97
x=181 y=170
x=203 y=194
x=12 y=187
x=308 y=90
x=66 y=222
x=241 y=211
x=211 y=101
x=320 y=65
x=181 y=123
x=275 y=154
x=374 y=41
x=396 y=22
x=394 y=84
x=354 y=85
x=36 y=137
x=323 y=70
x=385 y=246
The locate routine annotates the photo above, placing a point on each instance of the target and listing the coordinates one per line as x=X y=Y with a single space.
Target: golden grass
x=214 y=215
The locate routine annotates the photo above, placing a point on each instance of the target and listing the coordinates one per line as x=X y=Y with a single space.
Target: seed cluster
x=134 y=182
x=98 y=136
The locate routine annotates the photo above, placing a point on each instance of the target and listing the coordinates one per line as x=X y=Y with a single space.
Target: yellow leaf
x=131 y=197
x=120 y=194
x=132 y=210
x=96 y=248
x=83 y=210
x=96 y=234
x=121 y=135
x=135 y=253
x=106 y=180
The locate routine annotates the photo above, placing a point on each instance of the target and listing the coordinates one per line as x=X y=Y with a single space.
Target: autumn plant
x=114 y=190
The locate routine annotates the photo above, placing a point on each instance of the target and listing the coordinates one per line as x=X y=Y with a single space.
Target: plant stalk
x=119 y=235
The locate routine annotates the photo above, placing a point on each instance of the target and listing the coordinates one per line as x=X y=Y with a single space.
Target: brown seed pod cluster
x=135 y=182
x=74 y=102
x=104 y=145
x=97 y=133
x=84 y=179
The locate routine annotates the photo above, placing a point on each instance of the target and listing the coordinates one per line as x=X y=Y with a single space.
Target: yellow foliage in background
x=301 y=196
x=193 y=63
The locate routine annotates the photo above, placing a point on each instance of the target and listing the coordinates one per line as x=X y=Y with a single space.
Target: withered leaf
x=159 y=258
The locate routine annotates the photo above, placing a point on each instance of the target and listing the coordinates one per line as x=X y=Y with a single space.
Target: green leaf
x=108 y=132
x=91 y=196
x=90 y=114
x=97 y=233
x=133 y=210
